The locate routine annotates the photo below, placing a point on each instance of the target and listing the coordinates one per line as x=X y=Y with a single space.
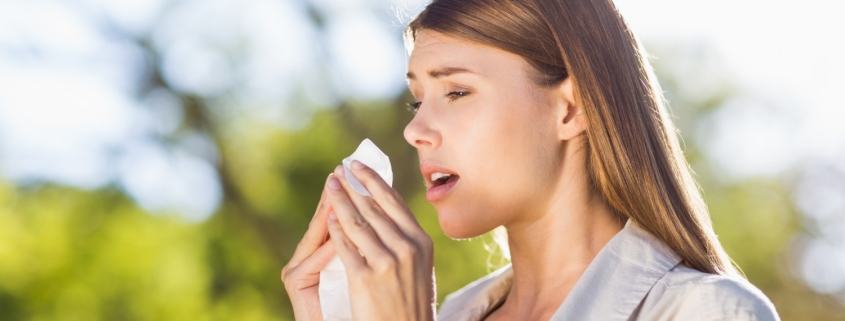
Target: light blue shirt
x=634 y=277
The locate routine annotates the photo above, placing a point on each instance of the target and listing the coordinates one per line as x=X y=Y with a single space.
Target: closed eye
x=454 y=95
x=413 y=107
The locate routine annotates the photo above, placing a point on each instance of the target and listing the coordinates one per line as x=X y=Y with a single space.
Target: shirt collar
x=611 y=288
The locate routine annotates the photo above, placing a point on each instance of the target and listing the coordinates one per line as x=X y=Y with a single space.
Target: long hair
x=635 y=162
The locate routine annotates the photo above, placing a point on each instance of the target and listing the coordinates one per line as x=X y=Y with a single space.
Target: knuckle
x=405 y=250
x=314 y=223
x=373 y=208
x=384 y=265
x=425 y=242
x=396 y=199
x=348 y=243
x=304 y=242
x=425 y=245
x=359 y=279
x=285 y=273
x=306 y=239
x=360 y=223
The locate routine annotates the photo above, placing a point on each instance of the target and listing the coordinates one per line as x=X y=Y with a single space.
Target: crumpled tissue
x=334 y=286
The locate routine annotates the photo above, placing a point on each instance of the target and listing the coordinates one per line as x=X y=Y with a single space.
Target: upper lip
x=428 y=167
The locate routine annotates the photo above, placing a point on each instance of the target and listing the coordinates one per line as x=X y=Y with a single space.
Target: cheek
x=513 y=155
x=503 y=155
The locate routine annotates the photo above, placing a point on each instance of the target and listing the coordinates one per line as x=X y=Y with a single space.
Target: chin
x=460 y=224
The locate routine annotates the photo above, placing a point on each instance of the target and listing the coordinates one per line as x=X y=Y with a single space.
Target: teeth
x=436 y=176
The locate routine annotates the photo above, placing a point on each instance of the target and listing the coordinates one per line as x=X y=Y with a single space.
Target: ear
x=570 y=118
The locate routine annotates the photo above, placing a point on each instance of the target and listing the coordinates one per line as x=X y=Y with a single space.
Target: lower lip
x=438 y=192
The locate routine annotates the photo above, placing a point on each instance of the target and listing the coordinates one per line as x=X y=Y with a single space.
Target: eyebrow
x=442 y=72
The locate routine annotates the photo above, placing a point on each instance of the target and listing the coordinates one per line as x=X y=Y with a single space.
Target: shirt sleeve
x=689 y=295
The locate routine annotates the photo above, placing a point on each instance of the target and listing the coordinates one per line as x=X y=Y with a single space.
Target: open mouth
x=438 y=179
x=441 y=183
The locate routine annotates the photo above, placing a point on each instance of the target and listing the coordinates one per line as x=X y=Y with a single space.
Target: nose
x=420 y=134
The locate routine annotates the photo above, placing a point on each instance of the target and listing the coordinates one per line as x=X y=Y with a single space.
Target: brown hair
x=635 y=162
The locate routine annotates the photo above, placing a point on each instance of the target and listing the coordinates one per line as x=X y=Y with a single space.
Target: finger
x=381 y=223
x=316 y=262
x=321 y=257
x=344 y=247
x=355 y=227
x=322 y=205
x=316 y=233
x=387 y=198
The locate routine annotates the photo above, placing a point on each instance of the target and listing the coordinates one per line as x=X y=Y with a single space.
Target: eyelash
x=452 y=95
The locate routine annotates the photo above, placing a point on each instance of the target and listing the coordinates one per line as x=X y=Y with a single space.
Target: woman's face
x=482 y=119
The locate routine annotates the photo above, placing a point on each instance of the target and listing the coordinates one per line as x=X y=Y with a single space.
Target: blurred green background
x=215 y=124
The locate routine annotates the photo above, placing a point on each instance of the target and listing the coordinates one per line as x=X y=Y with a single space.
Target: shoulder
x=474 y=300
x=688 y=294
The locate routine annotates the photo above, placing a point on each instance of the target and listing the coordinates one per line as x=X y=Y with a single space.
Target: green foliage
x=68 y=254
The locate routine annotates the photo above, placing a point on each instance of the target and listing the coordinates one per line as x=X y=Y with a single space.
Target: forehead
x=432 y=50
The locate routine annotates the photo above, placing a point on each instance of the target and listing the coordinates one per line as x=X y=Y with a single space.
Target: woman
x=542 y=116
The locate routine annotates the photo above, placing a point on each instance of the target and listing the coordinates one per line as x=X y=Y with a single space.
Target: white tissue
x=371 y=156
x=334 y=292
x=334 y=286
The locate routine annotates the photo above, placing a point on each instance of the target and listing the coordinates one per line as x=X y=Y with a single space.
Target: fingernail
x=357 y=165
x=332 y=217
x=333 y=183
x=339 y=170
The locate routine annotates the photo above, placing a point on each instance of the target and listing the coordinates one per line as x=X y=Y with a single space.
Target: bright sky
x=787 y=51
x=783 y=53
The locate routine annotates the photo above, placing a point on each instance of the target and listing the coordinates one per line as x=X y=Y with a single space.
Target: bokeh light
x=160 y=159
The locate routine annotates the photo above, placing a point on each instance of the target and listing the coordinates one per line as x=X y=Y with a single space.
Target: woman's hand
x=388 y=256
x=302 y=274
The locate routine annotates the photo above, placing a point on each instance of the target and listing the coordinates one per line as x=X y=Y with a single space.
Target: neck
x=550 y=250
